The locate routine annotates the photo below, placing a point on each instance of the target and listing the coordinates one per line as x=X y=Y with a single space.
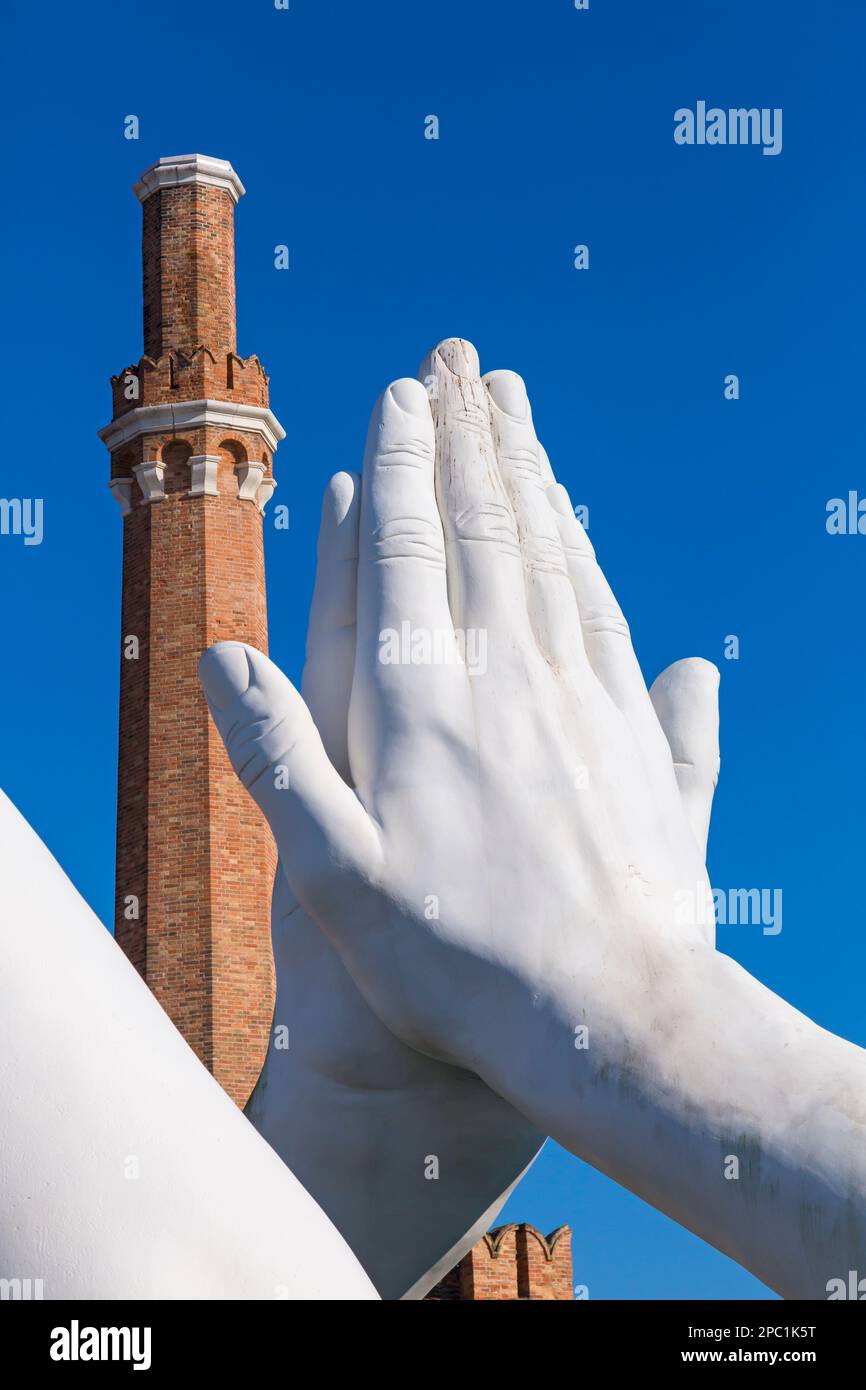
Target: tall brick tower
x=191 y=444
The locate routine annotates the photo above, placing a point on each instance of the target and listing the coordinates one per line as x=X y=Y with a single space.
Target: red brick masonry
x=192 y=848
x=511 y=1263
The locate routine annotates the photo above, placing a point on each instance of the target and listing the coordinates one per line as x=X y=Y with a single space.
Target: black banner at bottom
x=154 y=1338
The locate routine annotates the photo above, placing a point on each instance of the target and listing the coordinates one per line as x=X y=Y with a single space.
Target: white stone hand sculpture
x=125 y=1170
x=410 y=1157
x=506 y=881
x=357 y=1115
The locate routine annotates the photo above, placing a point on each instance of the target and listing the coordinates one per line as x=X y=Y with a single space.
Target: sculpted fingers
x=686 y=699
x=606 y=633
x=407 y=657
x=550 y=596
x=326 y=840
x=327 y=679
x=485 y=568
x=401 y=546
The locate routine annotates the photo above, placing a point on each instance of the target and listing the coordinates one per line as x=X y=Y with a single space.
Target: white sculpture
x=125 y=1170
x=479 y=933
x=410 y=1157
x=505 y=880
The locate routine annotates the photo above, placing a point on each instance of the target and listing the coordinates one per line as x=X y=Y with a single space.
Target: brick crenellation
x=199 y=375
x=511 y=1263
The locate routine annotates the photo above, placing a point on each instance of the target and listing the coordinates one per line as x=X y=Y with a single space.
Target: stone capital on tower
x=177 y=169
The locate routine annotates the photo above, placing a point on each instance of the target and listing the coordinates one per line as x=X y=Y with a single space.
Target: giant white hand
x=506 y=880
x=125 y=1170
x=410 y=1157
x=355 y=1113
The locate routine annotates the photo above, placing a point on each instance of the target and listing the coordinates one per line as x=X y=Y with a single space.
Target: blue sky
x=556 y=128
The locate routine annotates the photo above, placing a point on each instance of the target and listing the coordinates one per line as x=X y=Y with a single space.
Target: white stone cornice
x=203 y=475
x=122 y=490
x=151 y=480
x=188 y=415
x=189 y=168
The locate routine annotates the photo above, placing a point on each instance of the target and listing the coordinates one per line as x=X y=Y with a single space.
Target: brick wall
x=188 y=260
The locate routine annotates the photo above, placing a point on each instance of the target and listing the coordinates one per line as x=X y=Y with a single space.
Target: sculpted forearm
x=715 y=1101
x=125 y=1170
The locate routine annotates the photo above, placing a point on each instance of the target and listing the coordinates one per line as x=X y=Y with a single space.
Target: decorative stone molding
x=122 y=490
x=250 y=475
x=493 y=1239
x=151 y=480
x=265 y=493
x=189 y=168
x=187 y=415
x=253 y=486
x=203 y=475
x=548 y=1243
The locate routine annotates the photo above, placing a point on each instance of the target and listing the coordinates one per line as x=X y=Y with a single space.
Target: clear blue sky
x=708 y=515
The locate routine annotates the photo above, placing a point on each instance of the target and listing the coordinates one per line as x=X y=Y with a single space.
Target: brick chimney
x=511 y=1263
x=191 y=442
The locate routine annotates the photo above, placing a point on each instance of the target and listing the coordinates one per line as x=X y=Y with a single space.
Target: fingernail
x=341 y=495
x=508 y=392
x=560 y=500
x=224 y=672
x=460 y=357
x=410 y=396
